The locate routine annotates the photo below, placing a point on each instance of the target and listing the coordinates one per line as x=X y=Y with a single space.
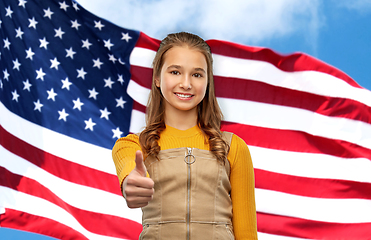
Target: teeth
x=183 y=95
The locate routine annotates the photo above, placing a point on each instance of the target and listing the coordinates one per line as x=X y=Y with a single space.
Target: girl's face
x=183 y=79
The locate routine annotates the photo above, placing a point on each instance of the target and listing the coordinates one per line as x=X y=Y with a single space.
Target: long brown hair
x=209 y=113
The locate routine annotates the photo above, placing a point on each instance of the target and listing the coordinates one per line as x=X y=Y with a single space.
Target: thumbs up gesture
x=137 y=188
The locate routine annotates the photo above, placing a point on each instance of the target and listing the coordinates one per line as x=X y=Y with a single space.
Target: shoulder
x=130 y=139
x=238 y=150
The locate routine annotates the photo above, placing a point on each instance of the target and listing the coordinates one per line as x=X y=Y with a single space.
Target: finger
x=139 y=164
x=139 y=192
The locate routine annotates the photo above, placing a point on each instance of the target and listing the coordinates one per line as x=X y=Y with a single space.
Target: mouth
x=184 y=95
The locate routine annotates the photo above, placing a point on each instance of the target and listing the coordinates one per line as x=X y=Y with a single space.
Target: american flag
x=73 y=83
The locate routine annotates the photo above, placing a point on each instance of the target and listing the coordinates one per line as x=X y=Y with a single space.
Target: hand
x=137 y=188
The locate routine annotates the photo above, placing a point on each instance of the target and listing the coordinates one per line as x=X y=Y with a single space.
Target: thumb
x=140 y=167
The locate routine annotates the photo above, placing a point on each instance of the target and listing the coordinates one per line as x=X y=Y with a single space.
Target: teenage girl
x=191 y=180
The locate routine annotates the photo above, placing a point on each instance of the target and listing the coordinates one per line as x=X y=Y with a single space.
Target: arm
x=131 y=171
x=243 y=190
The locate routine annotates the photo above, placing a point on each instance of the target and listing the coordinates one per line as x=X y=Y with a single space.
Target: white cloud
x=247 y=22
x=363 y=6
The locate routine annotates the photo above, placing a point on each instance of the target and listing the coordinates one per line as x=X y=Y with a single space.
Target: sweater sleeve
x=243 y=190
x=123 y=154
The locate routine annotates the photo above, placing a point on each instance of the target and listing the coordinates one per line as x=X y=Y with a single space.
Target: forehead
x=185 y=56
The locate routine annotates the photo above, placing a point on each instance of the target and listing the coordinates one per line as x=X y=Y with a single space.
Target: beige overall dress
x=191 y=198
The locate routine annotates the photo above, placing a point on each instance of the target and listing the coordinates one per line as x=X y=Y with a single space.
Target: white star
x=33 y=23
x=121 y=62
x=86 y=44
x=89 y=124
x=64 y=6
x=126 y=37
x=27 y=85
x=66 y=84
x=22 y=3
x=93 y=93
x=6 y=43
x=1 y=84
x=55 y=63
x=9 y=12
x=112 y=58
x=97 y=63
x=70 y=53
x=40 y=74
x=120 y=102
x=75 y=6
x=63 y=115
x=51 y=94
x=6 y=74
x=48 y=13
x=15 y=95
x=75 y=24
x=108 y=83
x=58 y=33
x=104 y=113
x=38 y=105
x=16 y=64
x=121 y=79
x=43 y=43
x=117 y=133
x=77 y=104
x=19 y=33
x=30 y=54
x=81 y=73
x=108 y=44
x=98 y=25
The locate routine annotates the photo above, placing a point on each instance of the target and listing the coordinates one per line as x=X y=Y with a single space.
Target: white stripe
x=142 y=57
x=139 y=118
x=289 y=118
x=281 y=117
x=79 y=152
x=266 y=236
x=307 y=81
x=137 y=121
x=138 y=93
x=19 y=201
x=317 y=209
x=311 y=165
x=79 y=196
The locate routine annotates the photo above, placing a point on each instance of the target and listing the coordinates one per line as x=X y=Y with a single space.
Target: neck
x=181 y=120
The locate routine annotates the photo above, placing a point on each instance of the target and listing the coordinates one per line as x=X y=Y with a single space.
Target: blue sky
x=335 y=31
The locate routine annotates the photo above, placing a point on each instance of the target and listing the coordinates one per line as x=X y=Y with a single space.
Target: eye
x=197 y=75
x=175 y=72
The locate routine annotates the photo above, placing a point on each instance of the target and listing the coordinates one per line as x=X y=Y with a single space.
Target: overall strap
x=228 y=137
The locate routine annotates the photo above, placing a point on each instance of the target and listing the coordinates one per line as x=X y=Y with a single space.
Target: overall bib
x=191 y=198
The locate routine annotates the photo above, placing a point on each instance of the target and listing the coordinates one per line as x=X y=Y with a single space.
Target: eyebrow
x=179 y=67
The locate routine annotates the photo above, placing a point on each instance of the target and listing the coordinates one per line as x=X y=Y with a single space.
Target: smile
x=184 y=95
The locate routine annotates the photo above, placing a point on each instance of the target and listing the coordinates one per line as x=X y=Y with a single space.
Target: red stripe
x=289 y=140
x=256 y=91
x=265 y=93
x=142 y=76
x=108 y=225
x=144 y=41
x=302 y=228
x=295 y=141
x=31 y=223
x=312 y=187
x=57 y=166
x=288 y=63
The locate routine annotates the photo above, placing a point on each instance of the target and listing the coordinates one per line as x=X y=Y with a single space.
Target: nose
x=186 y=82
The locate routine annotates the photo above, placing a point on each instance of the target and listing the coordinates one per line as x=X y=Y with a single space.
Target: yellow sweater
x=241 y=177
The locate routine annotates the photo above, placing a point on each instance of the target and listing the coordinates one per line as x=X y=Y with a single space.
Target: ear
x=157 y=82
